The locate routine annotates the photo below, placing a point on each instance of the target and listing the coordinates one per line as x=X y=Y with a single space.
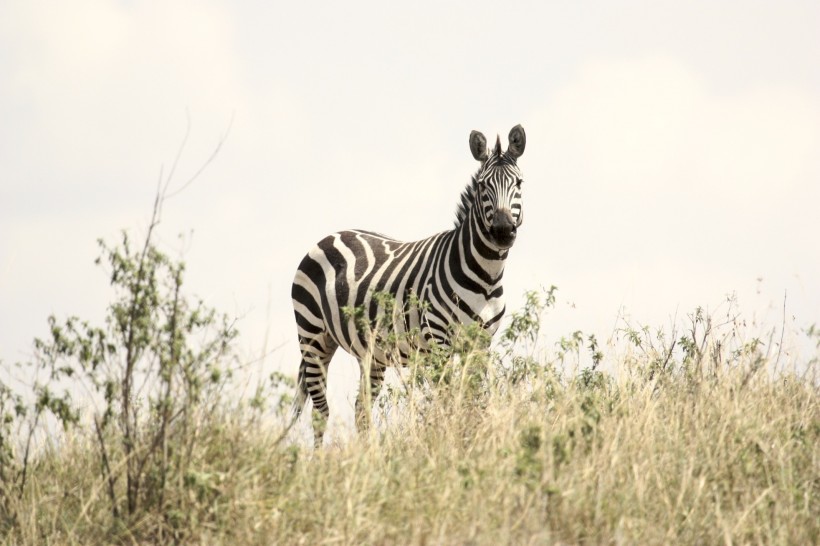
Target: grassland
x=705 y=445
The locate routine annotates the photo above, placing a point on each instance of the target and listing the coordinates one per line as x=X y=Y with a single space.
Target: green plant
x=156 y=363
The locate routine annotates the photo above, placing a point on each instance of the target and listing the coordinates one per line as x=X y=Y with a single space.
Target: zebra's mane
x=466 y=201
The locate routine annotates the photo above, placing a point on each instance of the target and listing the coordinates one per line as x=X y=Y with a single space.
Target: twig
x=178 y=156
x=92 y=497
x=107 y=469
x=782 y=331
x=207 y=162
x=666 y=360
x=24 y=471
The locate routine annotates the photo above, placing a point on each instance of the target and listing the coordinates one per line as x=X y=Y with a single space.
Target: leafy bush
x=149 y=378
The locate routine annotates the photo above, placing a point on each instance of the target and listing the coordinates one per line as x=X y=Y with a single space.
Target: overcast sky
x=673 y=148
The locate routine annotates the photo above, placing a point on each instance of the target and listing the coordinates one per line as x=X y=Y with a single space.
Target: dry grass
x=727 y=454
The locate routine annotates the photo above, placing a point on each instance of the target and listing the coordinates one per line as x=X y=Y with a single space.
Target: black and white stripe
x=455 y=276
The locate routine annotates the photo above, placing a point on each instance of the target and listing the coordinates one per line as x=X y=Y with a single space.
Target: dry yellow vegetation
x=703 y=446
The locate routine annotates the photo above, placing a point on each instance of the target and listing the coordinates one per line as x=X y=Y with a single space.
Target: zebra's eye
x=518 y=183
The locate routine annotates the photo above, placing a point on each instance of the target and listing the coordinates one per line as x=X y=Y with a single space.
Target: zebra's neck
x=478 y=255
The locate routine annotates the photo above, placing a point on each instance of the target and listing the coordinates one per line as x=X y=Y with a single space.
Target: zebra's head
x=496 y=187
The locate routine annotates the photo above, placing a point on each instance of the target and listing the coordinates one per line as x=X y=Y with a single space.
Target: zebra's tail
x=301 y=396
x=297 y=406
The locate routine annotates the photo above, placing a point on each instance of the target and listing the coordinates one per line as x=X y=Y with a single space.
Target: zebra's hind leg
x=316 y=355
x=368 y=392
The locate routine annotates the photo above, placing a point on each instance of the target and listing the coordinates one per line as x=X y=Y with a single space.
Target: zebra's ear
x=518 y=140
x=478 y=145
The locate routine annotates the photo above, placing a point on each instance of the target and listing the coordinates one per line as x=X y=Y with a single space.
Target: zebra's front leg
x=368 y=392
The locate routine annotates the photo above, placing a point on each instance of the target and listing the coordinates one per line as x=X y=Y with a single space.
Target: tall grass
x=697 y=441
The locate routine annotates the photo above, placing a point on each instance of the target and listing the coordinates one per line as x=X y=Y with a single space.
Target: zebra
x=453 y=277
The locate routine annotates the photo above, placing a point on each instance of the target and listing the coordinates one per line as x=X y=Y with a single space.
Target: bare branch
x=207 y=162
x=782 y=331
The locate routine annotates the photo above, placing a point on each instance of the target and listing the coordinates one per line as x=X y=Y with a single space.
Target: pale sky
x=673 y=149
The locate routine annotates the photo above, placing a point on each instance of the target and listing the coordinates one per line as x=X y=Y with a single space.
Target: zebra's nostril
x=503 y=233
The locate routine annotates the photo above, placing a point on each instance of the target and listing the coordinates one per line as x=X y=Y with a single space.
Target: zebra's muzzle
x=503 y=229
